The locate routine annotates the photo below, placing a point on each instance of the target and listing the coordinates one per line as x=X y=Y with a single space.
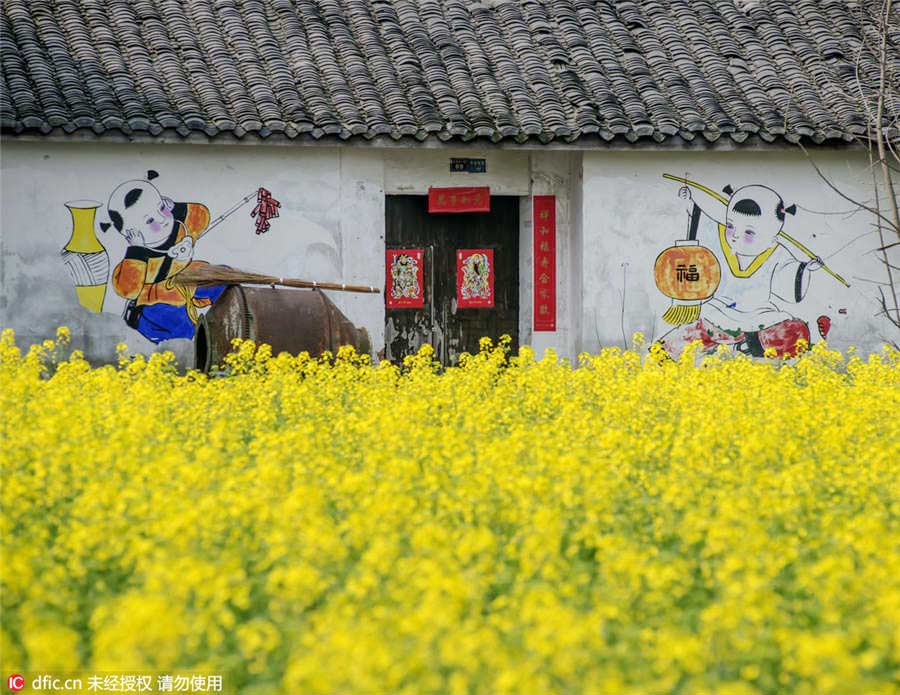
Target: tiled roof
x=519 y=70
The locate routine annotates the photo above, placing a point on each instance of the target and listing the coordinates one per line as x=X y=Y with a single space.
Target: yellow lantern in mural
x=689 y=274
x=84 y=256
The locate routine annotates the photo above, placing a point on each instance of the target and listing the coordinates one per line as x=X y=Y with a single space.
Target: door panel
x=450 y=330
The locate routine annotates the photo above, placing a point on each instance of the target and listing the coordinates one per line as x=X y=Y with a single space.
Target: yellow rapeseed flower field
x=714 y=526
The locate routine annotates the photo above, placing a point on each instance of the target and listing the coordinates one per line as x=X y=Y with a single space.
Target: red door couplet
x=544 y=263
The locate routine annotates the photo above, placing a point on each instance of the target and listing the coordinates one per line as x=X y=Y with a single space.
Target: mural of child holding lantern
x=742 y=304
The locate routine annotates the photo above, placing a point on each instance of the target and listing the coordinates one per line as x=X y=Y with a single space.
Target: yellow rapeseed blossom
x=635 y=525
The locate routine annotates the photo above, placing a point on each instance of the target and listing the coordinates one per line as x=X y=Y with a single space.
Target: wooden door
x=451 y=330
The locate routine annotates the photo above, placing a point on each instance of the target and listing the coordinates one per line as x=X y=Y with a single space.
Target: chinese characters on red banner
x=470 y=199
x=544 y=263
x=474 y=278
x=404 y=287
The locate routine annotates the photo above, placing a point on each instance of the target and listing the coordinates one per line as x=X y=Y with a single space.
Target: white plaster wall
x=552 y=173
x=630 y=214
x=615 y=213
x=412 y=172
x=330 y=226
x=576 y=251
x=361 y=207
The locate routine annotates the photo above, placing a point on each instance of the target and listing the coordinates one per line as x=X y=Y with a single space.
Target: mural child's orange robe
x=156 y=311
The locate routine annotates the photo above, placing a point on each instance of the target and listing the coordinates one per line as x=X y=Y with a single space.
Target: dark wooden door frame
x=451 y=330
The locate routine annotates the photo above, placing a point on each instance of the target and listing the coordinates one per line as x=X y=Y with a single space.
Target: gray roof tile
x=515 y=70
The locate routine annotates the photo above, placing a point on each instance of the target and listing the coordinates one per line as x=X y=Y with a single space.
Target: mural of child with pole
x=162 y=235
x=743 y=304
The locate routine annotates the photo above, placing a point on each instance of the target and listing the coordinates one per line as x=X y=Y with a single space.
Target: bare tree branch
x=843 y=195
x=882 y=60
x=888 y=264
x=877 y=99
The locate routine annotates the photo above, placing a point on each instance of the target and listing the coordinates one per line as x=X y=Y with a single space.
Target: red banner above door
x=460 y=199
x=404 y=286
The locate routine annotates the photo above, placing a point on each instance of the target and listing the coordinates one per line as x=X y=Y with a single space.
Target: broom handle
x=312 y=284
x=285 y=282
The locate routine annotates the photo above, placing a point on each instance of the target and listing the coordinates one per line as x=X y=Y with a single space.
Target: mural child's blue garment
x=160 y=322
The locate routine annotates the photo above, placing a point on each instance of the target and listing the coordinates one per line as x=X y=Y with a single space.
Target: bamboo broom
x=206 y=275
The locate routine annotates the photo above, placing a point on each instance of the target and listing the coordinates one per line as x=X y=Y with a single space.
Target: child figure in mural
x=161 y=235
x=761 y=274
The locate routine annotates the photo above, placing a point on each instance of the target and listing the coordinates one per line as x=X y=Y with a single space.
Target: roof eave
x=433 y=141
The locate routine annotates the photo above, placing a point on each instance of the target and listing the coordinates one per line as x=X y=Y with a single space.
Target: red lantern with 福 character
x=689 y=274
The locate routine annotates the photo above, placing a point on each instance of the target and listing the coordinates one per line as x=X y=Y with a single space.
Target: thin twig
x=849 y=243
x=889 y=265
x=839 y=191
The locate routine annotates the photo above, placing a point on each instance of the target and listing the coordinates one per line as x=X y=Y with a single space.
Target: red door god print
x=404 y=286
x=475 y=278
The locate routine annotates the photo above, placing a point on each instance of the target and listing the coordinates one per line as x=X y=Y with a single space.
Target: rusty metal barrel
x=289 y=320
